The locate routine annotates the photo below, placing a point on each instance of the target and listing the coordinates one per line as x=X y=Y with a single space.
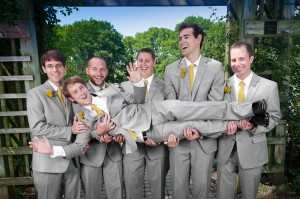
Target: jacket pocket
x=259 y=139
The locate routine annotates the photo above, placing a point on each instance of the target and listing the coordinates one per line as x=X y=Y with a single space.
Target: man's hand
x=172 y=141
x=119 y=138
x=245 y=125
x=190 y=134
x=231 y=128
x=78 y=127
x=106 y=138
x=85 y=149
x=105 y=126
x=41 y=146
x=150 y=142
x=134 y=74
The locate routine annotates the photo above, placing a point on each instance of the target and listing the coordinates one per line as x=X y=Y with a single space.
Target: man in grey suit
x=243 y=151
x=152 y=154
x=194 y=78
x=50 y=114
x=102 y=162
x=128 y=115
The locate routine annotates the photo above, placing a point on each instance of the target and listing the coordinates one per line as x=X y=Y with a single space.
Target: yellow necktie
x=132 y=134
x=147 y=92
x=241 y=94
x=97 y=110
x=60 y=96
x=191 y=72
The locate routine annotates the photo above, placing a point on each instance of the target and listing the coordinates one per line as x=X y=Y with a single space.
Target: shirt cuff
x=58 y=151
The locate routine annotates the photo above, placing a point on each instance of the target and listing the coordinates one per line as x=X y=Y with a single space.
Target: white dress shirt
x=196 y=65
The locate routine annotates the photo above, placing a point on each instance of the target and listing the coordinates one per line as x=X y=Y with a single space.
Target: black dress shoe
x=259 y=107
x=260 y=119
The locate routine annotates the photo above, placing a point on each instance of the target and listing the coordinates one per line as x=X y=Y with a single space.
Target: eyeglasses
x=57 y=66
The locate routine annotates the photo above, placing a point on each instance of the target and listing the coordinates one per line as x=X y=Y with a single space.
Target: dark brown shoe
x=259 y=107
x=260 y=119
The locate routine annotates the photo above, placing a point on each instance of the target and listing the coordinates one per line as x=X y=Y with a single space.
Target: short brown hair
x=243 y=43
x=71 y=81
x=55 y=55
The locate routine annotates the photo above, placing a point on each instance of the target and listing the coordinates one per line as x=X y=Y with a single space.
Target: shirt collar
x=97 y=88
x=149 y=79
x=53 y=85
x=247 y=80
x=196 y=62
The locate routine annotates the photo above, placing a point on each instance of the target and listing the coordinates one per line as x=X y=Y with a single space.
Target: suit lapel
x=55 y=97
x=232 y=94
x=153 y=87
x=107 y=93
x=254 y=84
x=186 y=79
x=199 y=75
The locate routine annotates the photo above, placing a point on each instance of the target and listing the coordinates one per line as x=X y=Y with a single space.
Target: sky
x=130 y=20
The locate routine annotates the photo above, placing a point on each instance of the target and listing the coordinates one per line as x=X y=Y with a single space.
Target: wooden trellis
x=19 y=72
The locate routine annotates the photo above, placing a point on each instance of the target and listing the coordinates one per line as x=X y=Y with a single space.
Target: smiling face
x=80 y=94
x=146 y=64
x=189 y=45
x=97 y=71
x=241 y=61
x=55 y=71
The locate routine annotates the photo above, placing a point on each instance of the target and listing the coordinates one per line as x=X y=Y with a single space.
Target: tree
x=163 y=41
x=84 y=39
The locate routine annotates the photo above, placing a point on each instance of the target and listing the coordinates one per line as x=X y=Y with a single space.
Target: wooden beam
x=13 y=113
x=273 y=169
x=15 y=58
x=276 y=140
x=15 y=150
x=20 y=30
x=16 y=78
x=284 y=27
x=14 y=130
x=16 y=181
x=13 y=96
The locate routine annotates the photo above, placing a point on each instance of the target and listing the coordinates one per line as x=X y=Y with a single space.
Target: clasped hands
x=233 y=126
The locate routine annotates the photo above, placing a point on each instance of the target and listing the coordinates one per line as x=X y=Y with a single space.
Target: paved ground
x=147 y=193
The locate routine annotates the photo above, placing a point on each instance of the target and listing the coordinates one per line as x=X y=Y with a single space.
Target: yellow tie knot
x=241 y=93
x=98 y=111
x=60 y=96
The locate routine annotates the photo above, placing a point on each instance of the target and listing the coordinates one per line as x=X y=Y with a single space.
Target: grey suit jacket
x=252 y=147
x=156 y=92
x=96 y=153
x=116 y=100
x=46 y=116
x=208 y=86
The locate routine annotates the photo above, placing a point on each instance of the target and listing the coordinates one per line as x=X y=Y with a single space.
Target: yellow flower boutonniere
x=183 y=71
x=81 y=115
x=227 y=89
x=49 y=93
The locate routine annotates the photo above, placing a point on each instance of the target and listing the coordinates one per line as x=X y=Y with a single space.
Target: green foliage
x=295 y=183
x=84 y=39
x=163 y=41
x=286 y=72
x=9 y=11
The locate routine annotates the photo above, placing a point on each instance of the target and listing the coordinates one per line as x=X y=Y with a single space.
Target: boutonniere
x=49 y=93
x=183 y=71
x=227 y=89
x=81 y=115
